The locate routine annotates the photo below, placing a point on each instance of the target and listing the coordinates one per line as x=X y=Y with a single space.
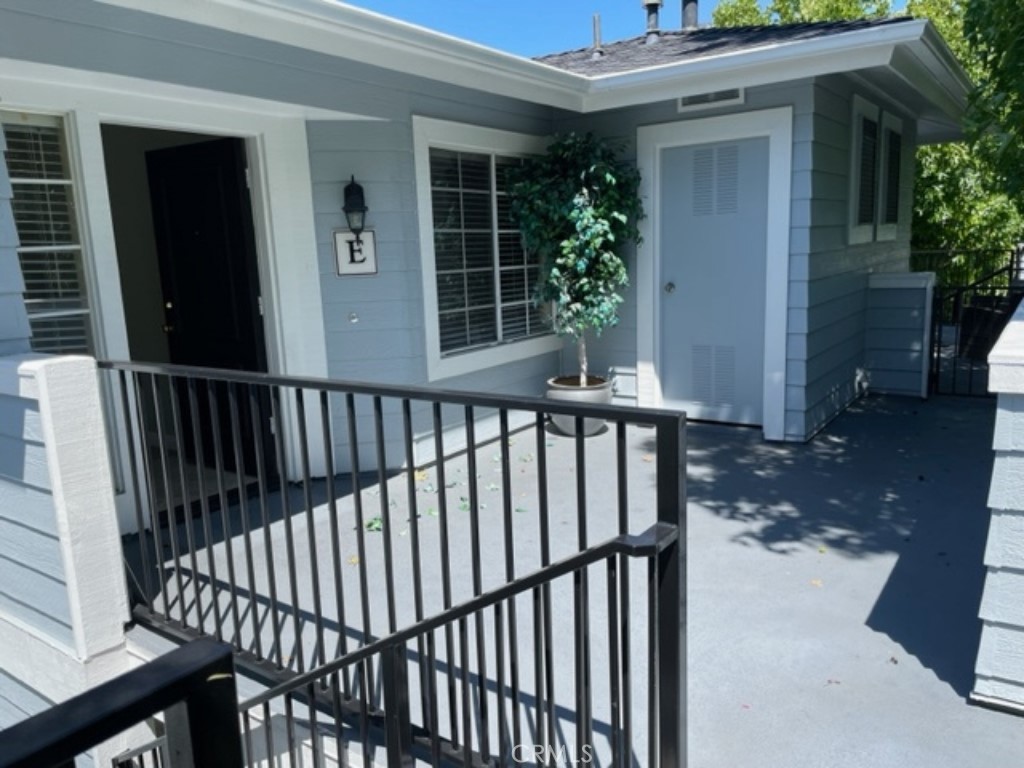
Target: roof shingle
x=677 y=46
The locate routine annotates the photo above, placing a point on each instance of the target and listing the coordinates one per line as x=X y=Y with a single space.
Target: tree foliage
x=995 y=33
x=959 y=202
x=575 y=206
x=740 y=13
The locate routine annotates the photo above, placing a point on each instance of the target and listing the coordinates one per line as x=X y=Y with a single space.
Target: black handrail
x=647 y=544
x=405 y=392
x=194 y=685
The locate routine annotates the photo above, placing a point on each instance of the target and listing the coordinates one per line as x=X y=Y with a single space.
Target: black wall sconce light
x=355 y=209
x=355 y=254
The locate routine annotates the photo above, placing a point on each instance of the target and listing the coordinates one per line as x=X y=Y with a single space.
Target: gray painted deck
x=834 y=589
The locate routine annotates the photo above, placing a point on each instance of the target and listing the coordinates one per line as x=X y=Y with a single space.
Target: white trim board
x=427 y=133
x=275 y=134
x=777 y=126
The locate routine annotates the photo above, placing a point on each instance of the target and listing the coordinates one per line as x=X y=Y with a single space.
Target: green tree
x=736 y=13
x=958 y=202
x=995 y=33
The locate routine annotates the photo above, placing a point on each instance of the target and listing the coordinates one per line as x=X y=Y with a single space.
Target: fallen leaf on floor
x=648 y=457
x=526 y=458
x=422 y=475
x=429 y=488
x=374 y=524
x=403 y=532
x=432 y=511
x=745 y=706
x=522 y=509
x=354 y=560
x=496 y=458
x=493 y=487
x=822 y=550
x=817 y=583
x=893 y=660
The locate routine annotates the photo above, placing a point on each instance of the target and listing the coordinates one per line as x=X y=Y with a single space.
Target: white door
x=713 y=221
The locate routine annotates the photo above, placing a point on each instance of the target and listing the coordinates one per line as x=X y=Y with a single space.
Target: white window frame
x=888 y=230
x=429 y=133
x=862 y=233
x=47 y=118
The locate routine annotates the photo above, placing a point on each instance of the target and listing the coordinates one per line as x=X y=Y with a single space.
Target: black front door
x=209 y=275
x=208 y=268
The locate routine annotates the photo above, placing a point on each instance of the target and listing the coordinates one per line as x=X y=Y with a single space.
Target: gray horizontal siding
x=18 y=701
x=829 y=278
x=32 y=581
x=1000 y=663
x=14 y=329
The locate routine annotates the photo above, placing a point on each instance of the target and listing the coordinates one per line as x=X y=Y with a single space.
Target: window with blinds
x=893 y=161
x=50 y=249
x=868 y=171
x=485 y=280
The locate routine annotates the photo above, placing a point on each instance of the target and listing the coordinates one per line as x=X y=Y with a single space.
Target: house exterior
x=174 y=181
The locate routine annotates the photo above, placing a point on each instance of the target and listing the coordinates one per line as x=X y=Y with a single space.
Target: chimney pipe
x=689 y=15
x=653 y=25
x=598 y=50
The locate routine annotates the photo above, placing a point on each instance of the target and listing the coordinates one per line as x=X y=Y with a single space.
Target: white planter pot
x=597 y=391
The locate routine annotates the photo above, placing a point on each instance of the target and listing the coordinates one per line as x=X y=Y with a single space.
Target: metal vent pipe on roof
x=653 y=25
x=689 y=15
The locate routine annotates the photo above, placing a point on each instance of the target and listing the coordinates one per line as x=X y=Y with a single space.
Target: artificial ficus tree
x=576 y=206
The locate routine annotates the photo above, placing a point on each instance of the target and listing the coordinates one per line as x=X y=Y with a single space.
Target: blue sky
x=531 y=27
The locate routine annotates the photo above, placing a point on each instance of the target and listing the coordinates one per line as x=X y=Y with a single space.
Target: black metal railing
x=303 y=520
x=960 y=268
x=194 y=686
x=967 y=320
x=481 y=715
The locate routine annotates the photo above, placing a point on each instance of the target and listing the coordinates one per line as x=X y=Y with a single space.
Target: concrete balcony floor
x=833 y=586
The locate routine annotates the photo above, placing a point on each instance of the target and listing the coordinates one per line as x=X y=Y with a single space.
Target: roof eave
x=336 y=29
x=849 y=51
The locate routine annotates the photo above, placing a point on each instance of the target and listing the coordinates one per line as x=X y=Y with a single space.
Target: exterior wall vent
x=712 y=99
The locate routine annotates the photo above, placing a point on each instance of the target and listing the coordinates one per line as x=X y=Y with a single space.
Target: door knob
x=670 y=287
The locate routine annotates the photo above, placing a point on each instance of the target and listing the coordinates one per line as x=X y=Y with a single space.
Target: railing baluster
x=186 y=505
x=584 y=716
x=172 y=527
x=414 y=545
x=243 y=512
x=547 y=662
x=257 y=416
x=446 y=574
x=474 y=511
x=613 y=663
x=130 y=426
x=624 y=591
x=282 y=468
x=510 y=573
x=268 y=733
x=225 y=510
x=332 y=511
x=289 y=714
x=385 y=511
x=319 y=651
x=204 y=505
x=357 y=501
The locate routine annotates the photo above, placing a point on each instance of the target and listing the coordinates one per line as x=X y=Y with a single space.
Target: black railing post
x=203 y=730
x=398 y=725
x=669 y=666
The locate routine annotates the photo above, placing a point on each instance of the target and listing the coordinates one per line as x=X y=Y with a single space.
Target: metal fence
x=967 y=320
x=194 y=686
x=339 y=536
